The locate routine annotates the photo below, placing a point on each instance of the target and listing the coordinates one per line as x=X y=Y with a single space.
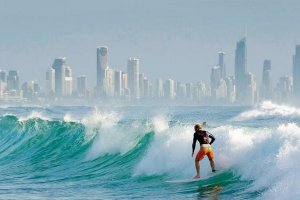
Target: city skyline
x=133 y=84
x=179 y=34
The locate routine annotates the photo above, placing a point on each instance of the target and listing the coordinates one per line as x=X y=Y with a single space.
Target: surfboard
x=190 y=180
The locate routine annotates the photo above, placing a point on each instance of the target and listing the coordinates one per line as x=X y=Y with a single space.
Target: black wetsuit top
x=203 y=138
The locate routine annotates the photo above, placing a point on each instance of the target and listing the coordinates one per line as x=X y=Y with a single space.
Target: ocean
x=131 y=152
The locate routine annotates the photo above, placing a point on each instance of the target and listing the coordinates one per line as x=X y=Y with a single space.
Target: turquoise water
x=56 y=152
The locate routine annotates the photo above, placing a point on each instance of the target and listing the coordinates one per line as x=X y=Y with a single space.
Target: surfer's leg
x=199 y=157
x=210 y=156
x=212 y=165
x=197 y=166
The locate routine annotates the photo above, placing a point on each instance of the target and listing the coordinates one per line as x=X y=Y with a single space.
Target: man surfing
x=205 y=149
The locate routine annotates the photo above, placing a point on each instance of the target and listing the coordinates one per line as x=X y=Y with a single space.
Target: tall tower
x=59 y=66
x=81 y=86
x=133 y=70
x=50 y=81
x=241 y=69
x=221 y=63
x=68 y=89
x=3 y=76
x=118 y=84
x=102 y=65
x=296 y=73
x=13 y=82
x=266 y=92
x=215 y=78
x=170 y=89
x=159 y=88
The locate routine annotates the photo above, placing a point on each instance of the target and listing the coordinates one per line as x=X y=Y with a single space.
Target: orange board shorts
x=206 y=150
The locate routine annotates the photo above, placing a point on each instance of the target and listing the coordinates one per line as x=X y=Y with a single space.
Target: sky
x=174 y=39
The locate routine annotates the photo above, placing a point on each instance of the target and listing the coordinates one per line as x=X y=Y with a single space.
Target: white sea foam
x=111 y=137
x=160 y=124
x=268 y=109
x=33 y=115
x=69 y=118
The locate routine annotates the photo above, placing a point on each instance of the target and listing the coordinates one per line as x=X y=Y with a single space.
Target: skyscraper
x=141 y=84
x=215 y=78
x=13 y=82
x=159 y=88
x=118 y=84
x=170 y=89
x=250 y=90
x=221 y=63
x=109 y=83
x=125 y=84
x=81 y=86
x=50 y=81
x=189 y=91
x=240 y=69
x=68 y=89
x=102 y=65
x=59 y=66
x=296 y=73
x=3 y=76
x=147 y=88
x=230 y=89
x=3 y=83
x=266 y=89
x=133 y=70
x=285 y=88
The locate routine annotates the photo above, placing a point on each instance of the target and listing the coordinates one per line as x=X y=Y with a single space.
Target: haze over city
x=173 y=39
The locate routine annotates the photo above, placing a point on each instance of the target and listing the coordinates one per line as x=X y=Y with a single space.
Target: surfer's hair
x=197 y=127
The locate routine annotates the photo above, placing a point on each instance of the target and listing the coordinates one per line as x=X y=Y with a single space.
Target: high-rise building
x=266 y=88
x=189 y=91
x=3 y=83
x=147 y=88
x=141 y=84
x=251 y=95
x=50 y=81
x=159 y=88
x=133 y=70
x=230 y=89
x=59 y=66
x=240 y=70
x=13 y=82
x=199 y=91
x=215 y=78
x=285 y=88
x=68 y=89
x=296 y=73
x=109 y=82
x=125 y=89
x=81 y=86
x=221 y=92
x=3 y=76
x=221 y=63
x=181 y=91
x=102 y=65
x=170 y=89
x=119 y=91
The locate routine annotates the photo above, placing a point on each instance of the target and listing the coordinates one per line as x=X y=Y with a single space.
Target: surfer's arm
x=194 y=144
x=212 y=138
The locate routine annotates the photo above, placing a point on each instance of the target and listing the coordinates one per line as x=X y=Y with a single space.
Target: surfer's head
x=197 y=127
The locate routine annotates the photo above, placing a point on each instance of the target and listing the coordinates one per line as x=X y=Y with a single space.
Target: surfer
x=205 y=149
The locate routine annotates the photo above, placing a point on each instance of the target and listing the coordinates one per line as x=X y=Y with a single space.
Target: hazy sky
x=176 y=39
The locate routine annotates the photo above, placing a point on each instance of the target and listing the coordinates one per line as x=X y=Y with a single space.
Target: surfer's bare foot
x=195 y=177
